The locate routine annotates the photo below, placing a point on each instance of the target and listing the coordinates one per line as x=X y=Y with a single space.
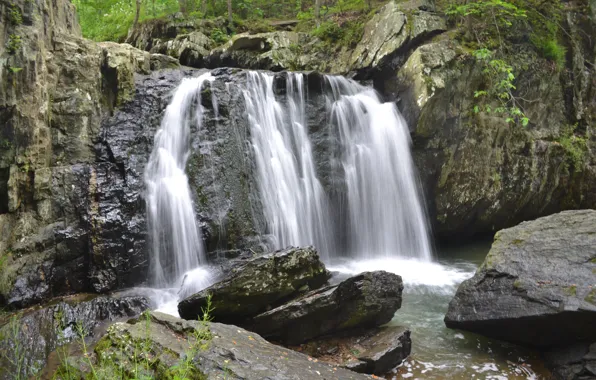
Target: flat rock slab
x=227 y=352
x=537 y=286
x=258 y=284
x=375 y=351
x=367 y=300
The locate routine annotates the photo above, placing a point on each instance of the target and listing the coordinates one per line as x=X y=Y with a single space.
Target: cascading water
x=385 y=214
x=177 y=246
x=386 y=218
x=294 y=202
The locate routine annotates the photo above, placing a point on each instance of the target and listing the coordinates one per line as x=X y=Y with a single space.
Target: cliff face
x=65 y=204
x=481 y=174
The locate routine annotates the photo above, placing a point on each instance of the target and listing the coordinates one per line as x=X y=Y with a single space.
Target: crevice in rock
x=4 y=176
x=109 y=83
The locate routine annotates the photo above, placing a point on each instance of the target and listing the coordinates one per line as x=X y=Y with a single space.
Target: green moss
x=591 y=297
x=571 y=290
x=517 y=284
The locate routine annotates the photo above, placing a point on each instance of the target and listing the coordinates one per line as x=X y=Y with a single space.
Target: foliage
x=500 y=86
x=551 y=49
x=14 y=352
x=576 y=148
x=348 y=34
x=14 y=44
x=219 y=36
x=136 y=358
x=14 y=15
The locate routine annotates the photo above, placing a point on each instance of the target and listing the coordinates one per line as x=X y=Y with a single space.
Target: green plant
x=328 y=31
x=500 y=78
x=14 y=44
x=14 y=353
x=551 y=49
x=14 y=15
x=219 y=36
x=576 y=148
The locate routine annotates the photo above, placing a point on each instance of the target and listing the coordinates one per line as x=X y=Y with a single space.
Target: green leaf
x=525 y=121
x=476 y=109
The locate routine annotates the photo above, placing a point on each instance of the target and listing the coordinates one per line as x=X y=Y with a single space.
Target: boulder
x=200 y=351
x=190 y=49
x=536 y=286
x=275 y=51
x=260 y=283
x=390 y=32
x=375 y=351
x=366 y=300
x=28 y=338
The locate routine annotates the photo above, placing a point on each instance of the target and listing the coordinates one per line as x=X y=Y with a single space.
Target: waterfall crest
x=176 y=242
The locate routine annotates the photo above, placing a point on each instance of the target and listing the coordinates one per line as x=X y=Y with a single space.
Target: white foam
x=413 y=272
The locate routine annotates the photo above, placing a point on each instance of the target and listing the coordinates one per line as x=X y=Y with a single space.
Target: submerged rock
x=212 y=351
x=536 y=286
x=28 y=338
x=257 y=284
x=366 y=300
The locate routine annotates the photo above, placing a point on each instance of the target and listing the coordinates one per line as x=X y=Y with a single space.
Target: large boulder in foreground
x=28 y=338
x=197 y=350
x=260 y=283
x=366 y=300
x=537 y=286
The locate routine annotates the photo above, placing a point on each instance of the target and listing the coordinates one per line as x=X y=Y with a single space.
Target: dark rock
x=385 y=350
x=227 y=351
x=536 y=286
x=39 y=331
x=262 y=282
x=575 y=362
x=367 y=300
x=373 y=351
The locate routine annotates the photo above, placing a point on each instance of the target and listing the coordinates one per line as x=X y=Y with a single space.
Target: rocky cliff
x=67 y=212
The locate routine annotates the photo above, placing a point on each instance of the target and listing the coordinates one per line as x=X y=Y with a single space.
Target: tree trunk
x=137 y=13
x=204 y=7
x=183 y=6
x=318 y=10
x=230 y=19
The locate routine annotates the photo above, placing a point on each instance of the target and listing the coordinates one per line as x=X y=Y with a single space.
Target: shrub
x=551 y=49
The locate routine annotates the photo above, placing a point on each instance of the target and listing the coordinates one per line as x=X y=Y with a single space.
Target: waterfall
x=383 y=208
x=294 y=202
x=176 y=242
x=386 y=217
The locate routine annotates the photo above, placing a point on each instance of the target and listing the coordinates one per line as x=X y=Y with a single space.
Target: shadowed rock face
x=39 y=331
x=259 y=283
x=366 y=300
x=536 y=286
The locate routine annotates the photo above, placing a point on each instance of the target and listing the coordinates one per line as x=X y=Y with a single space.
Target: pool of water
x=439 y=352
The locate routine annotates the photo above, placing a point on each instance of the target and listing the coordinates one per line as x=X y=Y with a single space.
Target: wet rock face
x=259 y=283
x=536 y=286
x=70 y=214
x=577 y=361
x=225 y=351
x=367 y=300
x=39 y=331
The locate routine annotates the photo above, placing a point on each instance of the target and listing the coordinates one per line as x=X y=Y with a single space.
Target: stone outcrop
x=536 y=286
x=68 y=216
x=481 y=174
x=366 y=300
x=28 y=338
x=390 y=33
x=222 y=351
x=261 y=282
